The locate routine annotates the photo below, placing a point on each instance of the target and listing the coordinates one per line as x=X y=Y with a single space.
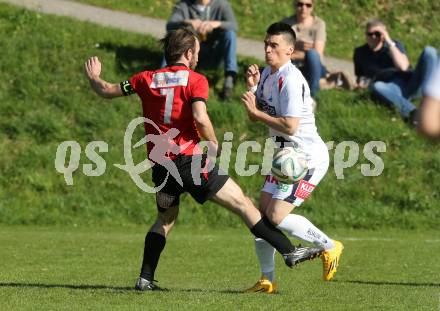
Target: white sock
x=266 y=256
x=301 y=228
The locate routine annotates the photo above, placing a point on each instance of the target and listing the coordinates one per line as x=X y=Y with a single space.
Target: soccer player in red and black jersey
x=175 y=99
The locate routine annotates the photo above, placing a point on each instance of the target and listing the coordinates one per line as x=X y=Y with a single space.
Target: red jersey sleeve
x=200 y=89
x=136 y=81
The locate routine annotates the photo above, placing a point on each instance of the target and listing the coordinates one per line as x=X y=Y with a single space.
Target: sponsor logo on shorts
x=283 y=187
x=304 y=190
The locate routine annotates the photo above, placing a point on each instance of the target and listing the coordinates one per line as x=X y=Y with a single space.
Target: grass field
x=89 y=258
x=415 y=23
x=45 y=100
x=75 y=268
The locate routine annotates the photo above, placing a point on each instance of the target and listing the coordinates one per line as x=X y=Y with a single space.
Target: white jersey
x=433 y=86
x=286 y=94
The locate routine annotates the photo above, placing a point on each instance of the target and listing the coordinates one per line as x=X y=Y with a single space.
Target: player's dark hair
x=282 y=29
x=177 y=42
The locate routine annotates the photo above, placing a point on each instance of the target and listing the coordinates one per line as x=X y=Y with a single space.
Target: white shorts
x=298 y=192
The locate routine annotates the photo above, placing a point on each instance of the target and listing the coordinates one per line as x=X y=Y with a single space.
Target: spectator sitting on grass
x=214 y=22
x=382 y=64
x=309 y=48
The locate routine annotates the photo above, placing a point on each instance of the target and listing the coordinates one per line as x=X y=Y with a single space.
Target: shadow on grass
x=131 y=59
x=69 y=286
x=410 y=284
x=134 y=59
x=114 y=288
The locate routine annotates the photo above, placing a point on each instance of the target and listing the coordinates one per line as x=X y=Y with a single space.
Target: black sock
x=154 y=244
x=266 y=231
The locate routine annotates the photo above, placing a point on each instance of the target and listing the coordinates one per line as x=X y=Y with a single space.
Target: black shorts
x=210 y=183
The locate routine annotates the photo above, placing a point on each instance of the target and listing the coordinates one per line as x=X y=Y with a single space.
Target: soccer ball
x=289 y=165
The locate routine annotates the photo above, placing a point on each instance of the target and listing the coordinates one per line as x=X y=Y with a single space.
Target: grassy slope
x=46 y=100
x=415 y=23
x=74 y=268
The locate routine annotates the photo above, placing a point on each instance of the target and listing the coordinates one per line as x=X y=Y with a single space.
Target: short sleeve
x=400 y=46
x=199 y=89
x=136 y=81
x=292 y=94
x=432 y=89
x=321 y=32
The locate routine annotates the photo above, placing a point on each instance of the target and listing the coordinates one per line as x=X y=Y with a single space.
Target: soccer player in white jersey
x=281 y=99
x=430 y=108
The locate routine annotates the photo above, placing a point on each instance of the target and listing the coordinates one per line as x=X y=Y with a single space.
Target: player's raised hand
x=250 y=103
x=252 y=75
x=92 y=68
x=384 y=32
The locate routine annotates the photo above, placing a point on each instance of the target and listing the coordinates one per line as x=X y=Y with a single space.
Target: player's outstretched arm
x=105 y=89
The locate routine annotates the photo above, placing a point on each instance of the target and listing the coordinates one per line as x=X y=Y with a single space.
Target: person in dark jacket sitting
x=382 y=65
x=215 y=23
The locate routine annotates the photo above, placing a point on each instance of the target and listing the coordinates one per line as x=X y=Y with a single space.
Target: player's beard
x=193 y=63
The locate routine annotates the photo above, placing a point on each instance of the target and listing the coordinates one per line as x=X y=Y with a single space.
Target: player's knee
x=274 y=217
x=244 y=206
x=168 y=226
x=168 y=208
x=262 y=207
x=167 y=219
x=164 y=224
x=165 y=201
x=238 y=200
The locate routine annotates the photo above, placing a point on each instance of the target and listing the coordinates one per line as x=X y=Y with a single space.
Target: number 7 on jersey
x=169 y=99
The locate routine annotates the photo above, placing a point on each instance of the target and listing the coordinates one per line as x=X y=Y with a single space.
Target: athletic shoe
x=228 y=88
x=330 y=261
x=413 y=119
x=146 y=285
x=301 y=254
x=263 y=286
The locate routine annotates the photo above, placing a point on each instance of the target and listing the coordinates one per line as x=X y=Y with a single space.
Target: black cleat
x=143 y=285
x=301 y=254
